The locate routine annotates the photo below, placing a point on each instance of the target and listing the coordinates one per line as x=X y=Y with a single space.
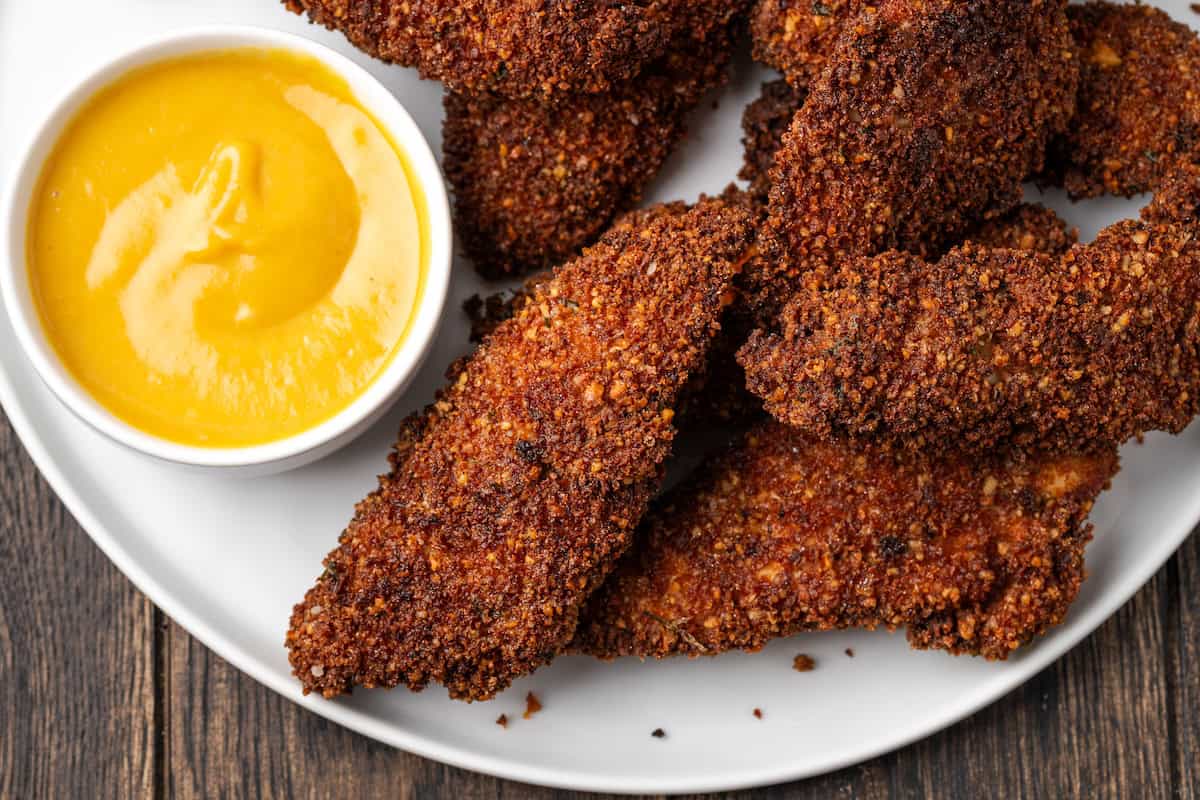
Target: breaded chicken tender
x=1028 y=226
x=797 y=36
x=929 y=113
x=763 y=124
x=511 y=497
x=786 y=534
x=1139 y=101
x=535 y=182
x=520 y=48
x=988 y=346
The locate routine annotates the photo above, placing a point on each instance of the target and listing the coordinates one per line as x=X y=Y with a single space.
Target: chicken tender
x=1139 y=101
x=520 y=48
x=988 y=346
x=797 y=36
x=786 y=534
x=511 y=497
x=928 y=115
x=1028 y=226
x=535 y=182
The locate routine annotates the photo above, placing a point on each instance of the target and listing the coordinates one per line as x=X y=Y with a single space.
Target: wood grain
x=77 y=650
x=102 y=697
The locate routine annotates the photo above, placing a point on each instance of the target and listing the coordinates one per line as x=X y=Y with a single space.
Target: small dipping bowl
x=311 y=443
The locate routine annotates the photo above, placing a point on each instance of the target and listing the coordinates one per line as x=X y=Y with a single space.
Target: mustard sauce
x=226 y=249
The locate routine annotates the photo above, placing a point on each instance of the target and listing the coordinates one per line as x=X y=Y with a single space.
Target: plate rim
x=1037 y=659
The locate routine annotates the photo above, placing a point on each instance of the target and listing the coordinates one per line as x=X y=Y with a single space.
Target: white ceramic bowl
x=285 y=453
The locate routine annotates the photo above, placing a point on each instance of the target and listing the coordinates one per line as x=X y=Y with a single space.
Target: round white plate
x=226 y=558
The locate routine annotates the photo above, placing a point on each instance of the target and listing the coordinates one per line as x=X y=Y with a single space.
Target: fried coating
x=763 y=124
x=1029 y=226
x=786 y=534
x=797 y=36
x=486 y=313
x=520 y=48
x=534 y=182
x=988 y=346
x=930 y=113
x=511 y=497
x=1139 y=101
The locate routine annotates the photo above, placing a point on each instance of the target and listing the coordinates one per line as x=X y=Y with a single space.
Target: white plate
x=226 y=558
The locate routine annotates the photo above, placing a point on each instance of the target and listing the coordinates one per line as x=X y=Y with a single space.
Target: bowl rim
x=312 y=442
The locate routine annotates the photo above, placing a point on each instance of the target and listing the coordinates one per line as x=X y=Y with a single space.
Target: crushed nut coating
x=1029 y=226
x=929 y=114
x=535 y=182
x=487 y=312
x=519 y=48
x=511 y=497
x=786 y=534
x=1139 y=101
x=985 y=346
x=763 y=124
x=797 y=36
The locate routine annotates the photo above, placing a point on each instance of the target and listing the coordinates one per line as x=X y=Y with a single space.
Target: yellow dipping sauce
x=226 y=249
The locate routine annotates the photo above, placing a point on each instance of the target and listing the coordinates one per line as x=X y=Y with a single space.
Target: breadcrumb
x=532 y=705
x=803 y=663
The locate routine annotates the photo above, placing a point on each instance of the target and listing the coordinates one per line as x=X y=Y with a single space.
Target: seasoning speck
x=758 y=713
x=502 y=720
x=532 y=705
x=658 y=733
x=803 y=663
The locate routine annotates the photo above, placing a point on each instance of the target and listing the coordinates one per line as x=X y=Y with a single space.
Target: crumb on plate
x=532 y=705
x=803 y=663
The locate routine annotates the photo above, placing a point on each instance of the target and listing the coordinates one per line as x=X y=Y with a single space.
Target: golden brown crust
x=1080 y=351
x=486 y=313
x=763 y=124
x=520 y=48
x=797 y=36
x=510 y=497
x=1139 y=101
x=1029 y=226
x=785 y=534
x=535 y=182
x=930 y=113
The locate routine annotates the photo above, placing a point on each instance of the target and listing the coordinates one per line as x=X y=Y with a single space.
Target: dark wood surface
x=102 y=696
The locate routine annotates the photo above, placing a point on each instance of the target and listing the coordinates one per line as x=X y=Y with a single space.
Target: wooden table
x=102 y=695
